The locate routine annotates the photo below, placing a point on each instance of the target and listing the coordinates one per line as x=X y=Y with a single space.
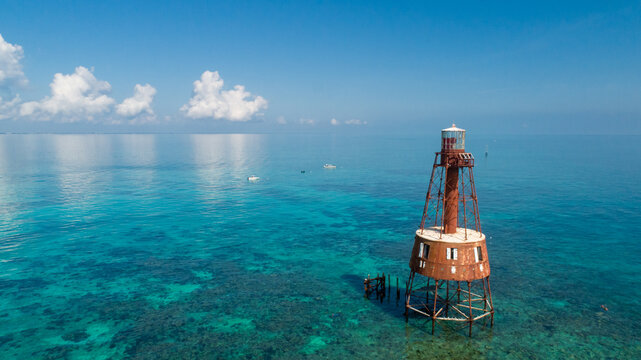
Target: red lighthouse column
x=451 y=200
x=452 y=144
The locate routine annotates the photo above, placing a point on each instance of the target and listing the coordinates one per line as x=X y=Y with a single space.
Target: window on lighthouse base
x=478 y=254
x=452 y=253
x=423 y=252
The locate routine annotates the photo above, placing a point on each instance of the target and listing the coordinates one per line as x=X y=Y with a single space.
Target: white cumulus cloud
x=334 y=122
x=9 y=108
x=355 y=122
x=75 y=95
x=281 y=120
x=10 y=66
x=210 y=100
x=138 y=104
x=307 y=121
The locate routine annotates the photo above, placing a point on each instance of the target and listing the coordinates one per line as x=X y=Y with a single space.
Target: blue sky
x=537 y=67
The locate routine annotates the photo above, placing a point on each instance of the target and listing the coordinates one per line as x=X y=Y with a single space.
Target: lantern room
x=452 y=139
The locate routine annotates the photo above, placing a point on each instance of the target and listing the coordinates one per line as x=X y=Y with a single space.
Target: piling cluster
x=380 y=286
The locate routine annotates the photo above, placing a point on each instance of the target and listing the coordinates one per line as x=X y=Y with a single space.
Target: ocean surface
x=157 y=246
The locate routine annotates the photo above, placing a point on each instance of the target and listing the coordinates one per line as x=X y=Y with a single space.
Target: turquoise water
x=156 y=246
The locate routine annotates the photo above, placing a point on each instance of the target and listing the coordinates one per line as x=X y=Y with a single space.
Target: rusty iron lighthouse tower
x=450 y=271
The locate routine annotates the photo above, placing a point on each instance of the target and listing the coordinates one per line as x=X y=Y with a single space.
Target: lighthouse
x=450 y=269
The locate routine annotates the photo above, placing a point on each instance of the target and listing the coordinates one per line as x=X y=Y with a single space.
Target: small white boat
x=253 y=178
x=329 y=166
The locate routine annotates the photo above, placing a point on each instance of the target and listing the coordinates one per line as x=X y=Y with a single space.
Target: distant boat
x=329 y=166
x=253 y=178
x=302 y=171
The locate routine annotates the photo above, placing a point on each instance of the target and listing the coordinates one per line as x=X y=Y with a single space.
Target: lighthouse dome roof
x=453 y=128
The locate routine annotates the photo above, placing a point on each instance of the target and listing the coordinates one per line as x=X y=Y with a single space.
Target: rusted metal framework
x=449 y=279
x=459 y=301
x=433 y=212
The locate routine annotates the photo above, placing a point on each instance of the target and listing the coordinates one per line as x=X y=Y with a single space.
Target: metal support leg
x=435 y=301
x=469 y=301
